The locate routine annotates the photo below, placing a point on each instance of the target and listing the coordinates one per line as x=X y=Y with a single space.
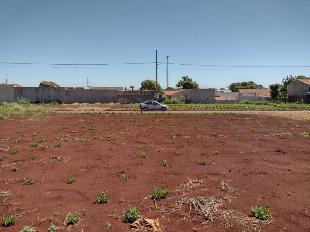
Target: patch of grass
x=102 y=198
x=28 y=229
x=131 y=215
x=165 y=163
x=201 y=162
x=71 y=180
x=260 y=212
x=72 y=219
x=8 y=220
x=159 y=193
x=15 y=109
x=52 y=228
x=253 y=130
x=28 y=181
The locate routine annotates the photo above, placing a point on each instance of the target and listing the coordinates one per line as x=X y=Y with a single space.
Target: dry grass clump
x=191 y=199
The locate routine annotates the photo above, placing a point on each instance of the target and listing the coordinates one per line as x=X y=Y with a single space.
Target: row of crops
x=241 y=106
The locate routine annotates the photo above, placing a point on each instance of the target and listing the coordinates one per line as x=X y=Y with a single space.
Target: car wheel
x=145 y=108
x=163 y=109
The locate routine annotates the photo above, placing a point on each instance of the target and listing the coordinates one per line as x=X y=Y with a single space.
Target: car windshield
x=155 y=103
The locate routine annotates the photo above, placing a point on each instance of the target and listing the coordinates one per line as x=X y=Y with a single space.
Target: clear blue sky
x=221 y=32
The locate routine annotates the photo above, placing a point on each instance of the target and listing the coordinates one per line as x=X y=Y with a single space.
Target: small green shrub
x=260 y=212
x=201 y=162
x=72 y=219
x=52 y=228
x=28 y=229
x=33 y=157
x=102 y=198
x=159 y=193
x=131 y=215
x=28 y=181
x=8 y=220
x=71 y=180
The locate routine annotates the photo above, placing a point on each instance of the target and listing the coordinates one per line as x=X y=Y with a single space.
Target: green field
x=241 y=106
x=20 y=108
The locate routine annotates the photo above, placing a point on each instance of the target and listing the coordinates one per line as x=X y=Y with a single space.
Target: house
x=299 y=90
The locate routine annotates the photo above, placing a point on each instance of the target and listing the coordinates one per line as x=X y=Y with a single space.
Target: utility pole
x=167 y=71
x=87 y=83
x=156 y=87
x=6 y=81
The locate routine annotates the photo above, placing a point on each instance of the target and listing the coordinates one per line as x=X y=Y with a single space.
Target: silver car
x=152 y=105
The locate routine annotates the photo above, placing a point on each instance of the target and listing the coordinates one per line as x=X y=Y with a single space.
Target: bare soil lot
x=228 y=162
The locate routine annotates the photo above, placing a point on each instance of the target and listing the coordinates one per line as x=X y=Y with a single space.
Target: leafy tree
x=283 y=88
x=234 y=87
x=132 y=87
x=274 y=91
x=187 y=83
x=150 y=85
x=49 y=84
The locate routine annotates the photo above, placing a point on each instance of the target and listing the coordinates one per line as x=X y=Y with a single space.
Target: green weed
x=52 y=228
x=159 y=193
x=102 y=198
x=260 y=212
x=72 y=219
x=132 y=215
x=8 y=220
x=71 y=180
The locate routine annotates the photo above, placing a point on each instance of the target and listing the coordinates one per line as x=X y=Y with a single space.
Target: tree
x=283 y=88
x=150 y=85
x=187 y=83
x=274 y=91
x=48 y=84
x=132 y=87
x=234 y=87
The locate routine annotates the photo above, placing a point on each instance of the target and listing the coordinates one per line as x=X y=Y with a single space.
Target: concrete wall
x=196 y=95
x=243 y=97
x=73 y=95
x=6 y=94
x=226 y=97
x=235 y=97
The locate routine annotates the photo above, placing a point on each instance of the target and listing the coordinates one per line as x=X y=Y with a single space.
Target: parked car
x=153 y=105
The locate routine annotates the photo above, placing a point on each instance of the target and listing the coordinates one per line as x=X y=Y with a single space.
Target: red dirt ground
x=266 y=160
